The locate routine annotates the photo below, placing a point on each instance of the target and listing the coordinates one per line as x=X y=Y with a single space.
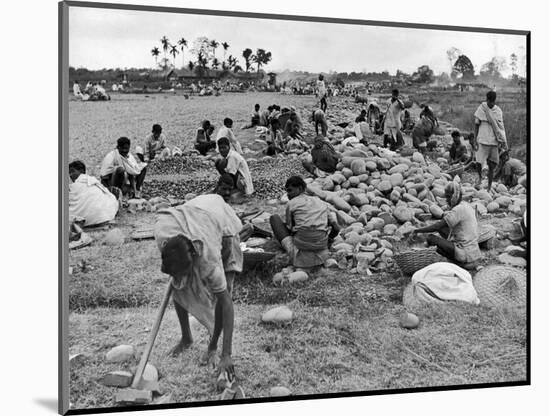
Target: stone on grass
x=150 y=373
x=120 y=354
x=512 y=261
x=130 y=397
x=280 y=314
x=77 y=359
x=117 y=379
x=114 y=237
x=279 y=391
x=408 y=320
x=297 y=277
x=278 y=277
x=492 y=206
x=390 y=229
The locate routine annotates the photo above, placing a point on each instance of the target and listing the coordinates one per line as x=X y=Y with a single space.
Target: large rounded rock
x=120 y=354
x=396 y=179
x=503 y=201
x=400 y=168
x=353 y=238
x=370 y=166
x=483 y=194
x=358 y=167
x=376 y=224
x=384 y=187
x=403 y=214
x=390 y=229
x=492 y=206
x=299 y=276
x=281 y=314
x=114 y=237
x=409 y=320
x=436 y=211
x=354 y=181
x=347 y=172
x=418 y=158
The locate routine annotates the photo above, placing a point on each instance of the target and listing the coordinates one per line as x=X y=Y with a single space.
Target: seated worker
x=121 y=170
x=292 y=127
x=234 y=164
x=296 y=146
x=458 y=229
x=200 y=249
x=264 y=116
x=88 y=198
x=361 y=127
x=155 y=145
x=458 y=153
x=319 y=120
x=511 y=171
x=275 y=141
x=226 y=131
x=254 y=119
x=324 y=158
x=428 y=113
x=203 y=143
x=305 y=236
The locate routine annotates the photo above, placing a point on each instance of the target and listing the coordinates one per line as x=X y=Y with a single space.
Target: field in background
x=345 y=336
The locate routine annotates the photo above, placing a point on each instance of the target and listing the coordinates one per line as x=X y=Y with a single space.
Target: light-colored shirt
x=464 y=233
x=155 y=146
x=306 y=212
x=393 y=114
x=486 y=134
x=321 y=88
x=237 y=165
x=227 y=132
x=89 y=199
x=113 y=160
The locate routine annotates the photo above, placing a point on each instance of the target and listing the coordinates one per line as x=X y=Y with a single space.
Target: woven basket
x=252 y=259
x=486 y=232
x=411 y=261
x=499 y=285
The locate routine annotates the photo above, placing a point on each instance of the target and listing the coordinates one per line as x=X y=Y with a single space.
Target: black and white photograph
x=267 y=207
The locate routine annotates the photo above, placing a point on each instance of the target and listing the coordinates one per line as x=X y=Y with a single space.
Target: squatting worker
x=489 y=134
x=199 y=245
x=305 y=236
x=234 y=164
x=458 y=229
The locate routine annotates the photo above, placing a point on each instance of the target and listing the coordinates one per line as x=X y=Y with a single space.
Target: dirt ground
x=345 y=335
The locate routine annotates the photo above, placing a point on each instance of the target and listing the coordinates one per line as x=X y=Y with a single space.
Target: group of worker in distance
x=199 y=240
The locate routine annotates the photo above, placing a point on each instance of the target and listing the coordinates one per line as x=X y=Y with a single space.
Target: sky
x=106 y=38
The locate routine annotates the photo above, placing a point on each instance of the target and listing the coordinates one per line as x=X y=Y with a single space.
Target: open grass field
x=345 y=335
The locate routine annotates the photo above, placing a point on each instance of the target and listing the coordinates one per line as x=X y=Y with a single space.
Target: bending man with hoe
x=458 y=229
x=199 y=244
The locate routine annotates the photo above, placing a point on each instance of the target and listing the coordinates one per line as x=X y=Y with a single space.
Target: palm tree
x=231 y=62
x=183 y=43
x=225 y=46
x=155 y=52
x=246 y=55
x=190 y=65
x=165 y=44
x=174 y=51
x=261 y=58
x=214 y=45
x=215 y=63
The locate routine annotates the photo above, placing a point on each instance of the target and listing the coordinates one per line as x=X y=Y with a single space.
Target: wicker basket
x=499 y=285
x=411 y=261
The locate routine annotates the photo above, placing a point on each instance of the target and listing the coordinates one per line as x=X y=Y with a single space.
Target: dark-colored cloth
x=311 y=240
x=324 y=156
x=205 y=147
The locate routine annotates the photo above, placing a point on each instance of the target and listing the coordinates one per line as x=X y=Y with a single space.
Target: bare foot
x=180 y=347
x=210 y=359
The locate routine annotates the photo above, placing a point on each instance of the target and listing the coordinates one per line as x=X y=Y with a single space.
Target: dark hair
x=395 y=91
x=269 y=108
x=227 y=121
x=78 y=165
x=122 y=141
x=256 y=105
x=455 y=133
x=223 y=141
x=227 y=179
x=363 y=111
x=491 y=96
x=470 y=136
x=157 y=128
x=206 y=124
x=321 y=77
x=296 y=181
x=173 y=249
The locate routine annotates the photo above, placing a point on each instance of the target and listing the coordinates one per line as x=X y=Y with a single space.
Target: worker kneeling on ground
x=305 y=236
x=199 y=243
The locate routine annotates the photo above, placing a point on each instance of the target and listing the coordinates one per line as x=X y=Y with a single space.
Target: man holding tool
x=199 y=243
